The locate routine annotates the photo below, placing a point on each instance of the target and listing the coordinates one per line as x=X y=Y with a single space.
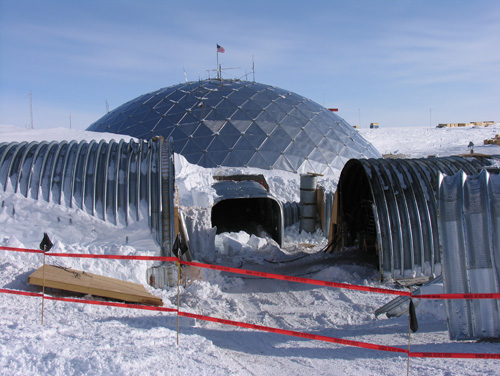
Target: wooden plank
x=93 y=284
x=334 y=218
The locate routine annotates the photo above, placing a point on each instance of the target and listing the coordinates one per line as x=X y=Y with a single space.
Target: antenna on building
x=253 y=70
x=31 y=110
x=107 y=107
x=185 y=75
x=70 y=121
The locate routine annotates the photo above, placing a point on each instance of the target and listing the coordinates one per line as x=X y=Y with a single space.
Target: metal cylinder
x=308 y=202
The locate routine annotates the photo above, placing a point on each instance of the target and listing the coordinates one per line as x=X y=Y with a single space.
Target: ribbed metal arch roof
x=118 y=182
x=389 y=206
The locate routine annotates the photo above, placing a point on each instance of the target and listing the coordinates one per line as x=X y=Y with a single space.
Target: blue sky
x=398 y=63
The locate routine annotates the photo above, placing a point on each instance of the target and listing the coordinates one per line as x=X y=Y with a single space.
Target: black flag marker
x=46 y=244
x=413 y=317
x=179 y=247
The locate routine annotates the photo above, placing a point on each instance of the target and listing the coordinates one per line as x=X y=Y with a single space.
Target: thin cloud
x=432 y=53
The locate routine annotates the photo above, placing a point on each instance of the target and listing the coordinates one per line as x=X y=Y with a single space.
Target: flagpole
x=217 y=67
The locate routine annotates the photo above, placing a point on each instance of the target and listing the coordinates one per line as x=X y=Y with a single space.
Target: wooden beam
x=93 y=284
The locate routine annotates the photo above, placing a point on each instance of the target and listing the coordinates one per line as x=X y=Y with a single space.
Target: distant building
x=374 y=125
x=478 y=123
x=482 y=123
x=452 y=125
x=493 y=141
x=474 y=123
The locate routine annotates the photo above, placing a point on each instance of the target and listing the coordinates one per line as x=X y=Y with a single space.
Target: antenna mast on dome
x=253 y=70
x=221 y=50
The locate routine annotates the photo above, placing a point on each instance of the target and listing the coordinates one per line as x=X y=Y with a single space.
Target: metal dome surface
x=238 y=123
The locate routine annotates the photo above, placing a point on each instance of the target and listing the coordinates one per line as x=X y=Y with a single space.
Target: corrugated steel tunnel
x=388 y=208
x=469 y=224
x=119 y=182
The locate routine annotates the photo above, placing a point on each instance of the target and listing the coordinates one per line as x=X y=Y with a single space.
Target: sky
x=397 y=63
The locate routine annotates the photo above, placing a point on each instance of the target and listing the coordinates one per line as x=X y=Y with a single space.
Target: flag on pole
x=46 y=244
x=220 y=49
x=413 y=317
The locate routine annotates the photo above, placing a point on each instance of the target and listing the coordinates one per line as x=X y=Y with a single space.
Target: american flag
x=220 y=49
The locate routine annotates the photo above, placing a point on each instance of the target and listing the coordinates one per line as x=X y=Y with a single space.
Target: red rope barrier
x=268 y=329
x=266 y=275
x=19 y=292
x=297 y=279
x=295 y=334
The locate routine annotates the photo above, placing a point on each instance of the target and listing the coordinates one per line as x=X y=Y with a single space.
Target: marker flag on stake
x=413 y=317
x=46 y=244
x=220 y=49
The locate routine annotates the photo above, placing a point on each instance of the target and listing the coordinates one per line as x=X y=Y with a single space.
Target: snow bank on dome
x=194 y=183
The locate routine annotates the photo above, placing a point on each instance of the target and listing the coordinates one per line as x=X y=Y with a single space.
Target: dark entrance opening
x=356 y=203
x=247 y=206
x=252 y=215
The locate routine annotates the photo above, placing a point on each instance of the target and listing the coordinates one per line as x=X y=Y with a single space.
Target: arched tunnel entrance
x=252 y=215
x=246 y=205
x=387 y=209
x=357 y=208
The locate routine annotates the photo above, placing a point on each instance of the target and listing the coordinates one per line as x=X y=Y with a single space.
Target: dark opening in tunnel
x=388 y=207
x=253 y=215
x=356 y=210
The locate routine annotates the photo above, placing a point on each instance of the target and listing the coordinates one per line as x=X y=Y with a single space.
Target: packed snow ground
x=94 y=340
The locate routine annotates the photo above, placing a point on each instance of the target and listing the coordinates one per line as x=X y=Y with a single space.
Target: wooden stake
x=409 y=337
x=43 y=286
x=178 y=294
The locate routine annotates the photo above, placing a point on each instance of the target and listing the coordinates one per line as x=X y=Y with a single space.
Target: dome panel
x=240 y=123
x=233 y=160
x=245 y=147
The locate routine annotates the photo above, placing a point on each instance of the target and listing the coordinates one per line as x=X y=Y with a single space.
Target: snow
x=96 y=340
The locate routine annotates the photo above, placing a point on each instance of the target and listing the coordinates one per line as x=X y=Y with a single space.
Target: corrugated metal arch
x=117 y=182
x=389 y=206
x=469 y=221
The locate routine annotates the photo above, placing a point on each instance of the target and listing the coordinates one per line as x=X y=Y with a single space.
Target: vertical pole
x=409 y=338
x=43 y=285
x=217 y=61
x=253 y=70
x=178 y=293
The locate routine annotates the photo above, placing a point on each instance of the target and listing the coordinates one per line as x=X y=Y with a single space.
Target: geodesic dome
x=237 y=123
